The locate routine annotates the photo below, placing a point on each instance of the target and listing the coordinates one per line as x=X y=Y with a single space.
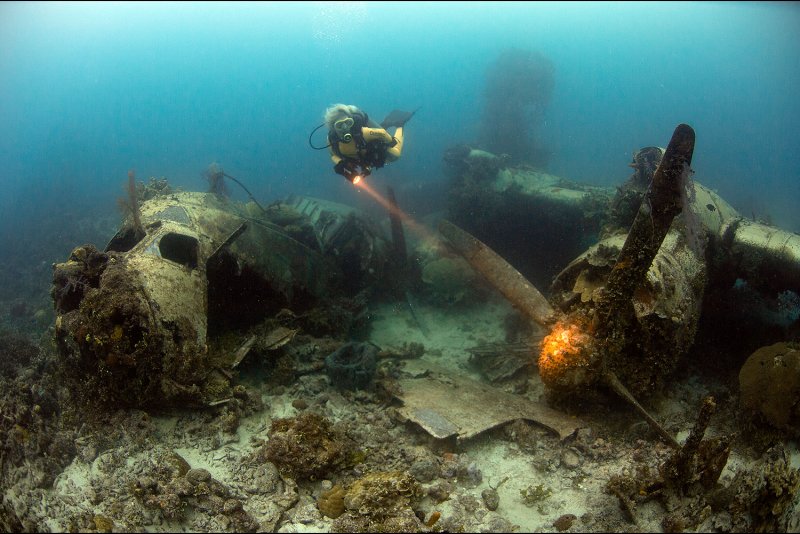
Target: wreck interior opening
x=238 y=296
x=124 y=240
x=179 y=248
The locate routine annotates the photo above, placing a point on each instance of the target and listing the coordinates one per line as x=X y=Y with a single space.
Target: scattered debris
x=448 y=405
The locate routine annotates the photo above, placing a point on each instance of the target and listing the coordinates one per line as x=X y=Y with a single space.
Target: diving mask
x=342 y=128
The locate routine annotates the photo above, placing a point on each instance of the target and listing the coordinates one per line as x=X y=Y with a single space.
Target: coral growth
x=175 y=490
x=534 y=495
x=758 y=499
x=16 y=353
x=770 y=384
x=35 y=442
x=381 y=502
x=136 y=212
x=304 y=447
x=331 y=502
x=110 y=350
x=379 y=495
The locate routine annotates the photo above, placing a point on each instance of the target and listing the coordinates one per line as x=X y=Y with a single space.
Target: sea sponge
x=769 y=383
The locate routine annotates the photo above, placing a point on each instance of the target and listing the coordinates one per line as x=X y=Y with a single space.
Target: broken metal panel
x=587 y=273
x=353 y=242
x=329 y=219
x=500 y=361
x=285 y=262
x=449 y=405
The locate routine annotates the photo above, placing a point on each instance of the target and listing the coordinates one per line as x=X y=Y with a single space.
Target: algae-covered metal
x=134 y=321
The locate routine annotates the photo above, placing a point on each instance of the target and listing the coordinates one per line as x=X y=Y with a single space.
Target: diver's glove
x=344 y=168
x=352 y=170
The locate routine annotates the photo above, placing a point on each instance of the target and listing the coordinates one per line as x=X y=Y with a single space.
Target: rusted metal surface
x=515 y=287
x=653 y=220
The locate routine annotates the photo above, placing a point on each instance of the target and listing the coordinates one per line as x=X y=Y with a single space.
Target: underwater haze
x=91 y=90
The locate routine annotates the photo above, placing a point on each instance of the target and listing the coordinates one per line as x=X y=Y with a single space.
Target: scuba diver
x=357 y=144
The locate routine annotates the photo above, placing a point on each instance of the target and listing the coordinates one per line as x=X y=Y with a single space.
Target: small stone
x=440 y=491
x=230 y=506
x=425 y=470
x=491 y=498
x=570 y=459
x=564 y=522
x=584 y=435
x=471 y=476
x=195 y=476
x=306 y=514
x=182 y=487
x=299 y=404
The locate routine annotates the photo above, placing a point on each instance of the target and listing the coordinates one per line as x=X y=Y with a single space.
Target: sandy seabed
x=541 y=483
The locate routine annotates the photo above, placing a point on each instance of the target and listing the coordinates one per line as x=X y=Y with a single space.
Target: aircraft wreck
x=147 y=320
x=625 y=311
x=194 y=281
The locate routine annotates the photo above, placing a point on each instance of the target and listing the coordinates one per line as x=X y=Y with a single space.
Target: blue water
x=90 y=90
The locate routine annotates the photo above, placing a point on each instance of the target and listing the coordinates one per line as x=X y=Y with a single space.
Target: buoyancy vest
x=368 y=146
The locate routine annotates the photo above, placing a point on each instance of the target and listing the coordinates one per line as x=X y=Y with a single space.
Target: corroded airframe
x=134 y=321
x=626 y=310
